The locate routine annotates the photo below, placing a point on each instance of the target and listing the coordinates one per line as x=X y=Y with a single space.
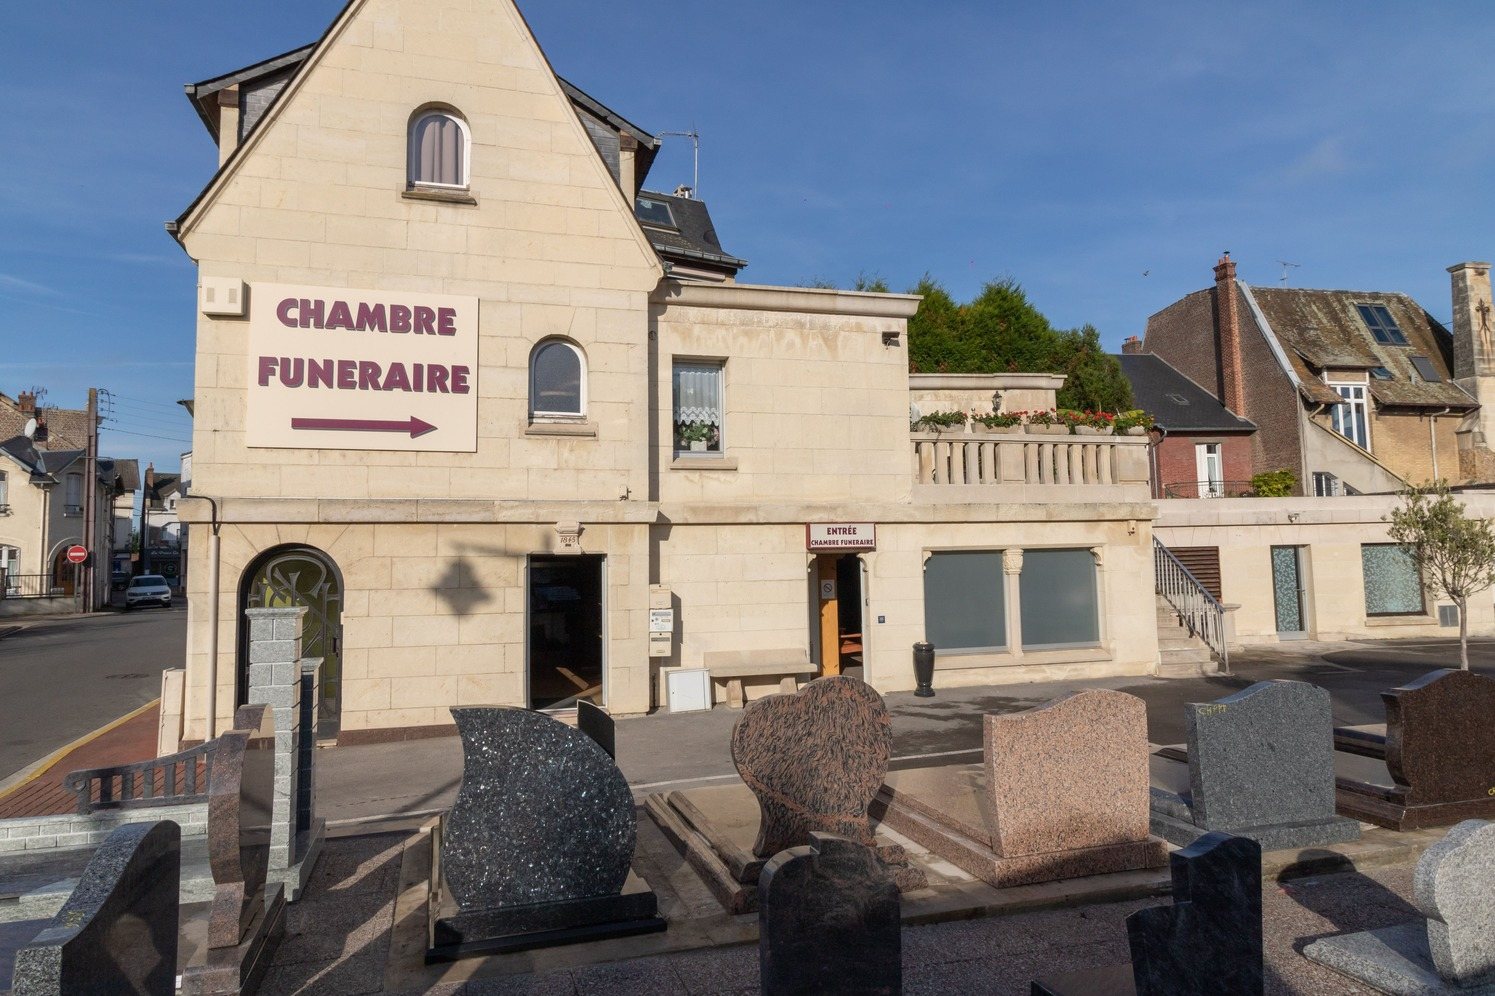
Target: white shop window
x=1211 y=470
x=439 y=150
x=699 y=411
x=1059 y=599
x=557 y=380
x=73 y=495
x=1351 y=416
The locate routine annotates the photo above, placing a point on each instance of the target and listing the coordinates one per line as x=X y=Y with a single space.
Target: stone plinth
x=828 y=922
x=537 y=849
x=280 y=678
x=1453 y=950
x=1260 y=765
x=1061 y=793
x=1439 y=752
x=1208 y=942
x=118 y=930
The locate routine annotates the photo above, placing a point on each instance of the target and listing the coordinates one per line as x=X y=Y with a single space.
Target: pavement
x=663 y=751
x=133 y=737
x=62 y=678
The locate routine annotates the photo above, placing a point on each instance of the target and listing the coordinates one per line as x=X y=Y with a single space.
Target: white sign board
x=841 y=536
x=339 y=369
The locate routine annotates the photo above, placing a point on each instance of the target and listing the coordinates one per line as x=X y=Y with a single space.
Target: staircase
x=1181 y=654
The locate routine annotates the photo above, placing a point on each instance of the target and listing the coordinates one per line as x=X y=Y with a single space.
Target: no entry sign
x=77 y=554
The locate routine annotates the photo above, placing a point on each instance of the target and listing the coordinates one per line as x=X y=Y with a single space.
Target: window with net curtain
x=438 y=150
x=1393 y=585
x=556 y=382
x=699 y=421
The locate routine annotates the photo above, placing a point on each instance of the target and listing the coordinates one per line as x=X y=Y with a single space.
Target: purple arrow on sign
x=412 y=425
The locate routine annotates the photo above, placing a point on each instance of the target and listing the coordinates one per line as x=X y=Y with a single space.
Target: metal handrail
x=25 y=585
x=1200 y=489
x=173 y=780
x=1199 y=611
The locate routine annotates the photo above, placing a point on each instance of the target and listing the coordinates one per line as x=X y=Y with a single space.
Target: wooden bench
x=732 y=666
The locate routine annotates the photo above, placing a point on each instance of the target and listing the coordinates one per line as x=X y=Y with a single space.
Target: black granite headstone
x=1208 y=943
x=117 y=933
x=828 y=921
x=537 y=849
x=595 y=722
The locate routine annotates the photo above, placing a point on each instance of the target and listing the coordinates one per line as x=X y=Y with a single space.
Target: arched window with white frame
x=557 y=380
x=439 y=150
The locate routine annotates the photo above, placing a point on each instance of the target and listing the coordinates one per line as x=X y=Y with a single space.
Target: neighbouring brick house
x=1201 y=448
x=1353 y=391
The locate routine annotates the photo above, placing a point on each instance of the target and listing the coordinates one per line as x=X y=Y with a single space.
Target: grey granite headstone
x=1453 y=951
x=1261 y=765
x=1208 y=943
x=538 y=847
x=117 y=933
x=595 y=722
x=828 y=921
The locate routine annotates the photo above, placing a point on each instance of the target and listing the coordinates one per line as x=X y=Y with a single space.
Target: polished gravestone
x=1436 y=764
x=1061 y=793
x=595 y=722
x=1453 y=950
x=538 y=847
x=1260 y=765
x=117 y=932
x=1208 y=943
x=828 y=921
x=246 y=919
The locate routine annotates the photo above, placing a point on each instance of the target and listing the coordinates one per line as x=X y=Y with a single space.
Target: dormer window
x=1382 y=326
x=656 y=213
x=438 y=151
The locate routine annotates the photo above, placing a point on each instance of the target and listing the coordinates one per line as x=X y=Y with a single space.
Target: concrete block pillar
x=280 y=678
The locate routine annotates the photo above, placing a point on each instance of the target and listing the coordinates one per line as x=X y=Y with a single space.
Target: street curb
x=14 y=783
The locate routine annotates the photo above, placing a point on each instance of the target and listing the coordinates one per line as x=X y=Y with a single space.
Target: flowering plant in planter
x=1044 y=417
x=1135 y=419
x=694 y=434
x=999 y=420
x=940 y=421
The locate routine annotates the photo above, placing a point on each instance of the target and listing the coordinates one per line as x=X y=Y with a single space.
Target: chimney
x=26 y=402
x=628 y=167
x=150 y=479
x=1132 y=345
x=1228 y=328
x=1473 y=322
x=228 y=123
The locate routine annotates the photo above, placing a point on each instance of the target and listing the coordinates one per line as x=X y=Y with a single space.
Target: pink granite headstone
x=1069 y=774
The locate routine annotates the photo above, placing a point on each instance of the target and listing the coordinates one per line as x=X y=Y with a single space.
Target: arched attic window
x=439 y=150
x=557 y=380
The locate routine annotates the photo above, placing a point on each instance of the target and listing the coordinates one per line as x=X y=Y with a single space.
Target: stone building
x=1353 y=391
x=508 y=425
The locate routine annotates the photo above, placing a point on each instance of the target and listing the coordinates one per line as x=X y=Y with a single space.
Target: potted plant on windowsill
x=1133 y=423
x=1092 y=423
x=998 y=423
x=694 y=435
x=1046 y=423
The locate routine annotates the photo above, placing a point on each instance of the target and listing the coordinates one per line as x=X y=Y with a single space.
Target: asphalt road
x=64 y=677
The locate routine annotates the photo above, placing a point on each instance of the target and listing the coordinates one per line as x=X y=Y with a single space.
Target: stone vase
x=995 y=430
x=1135 y=430
x=1047 y=430
x=1092 y=430
x=698 y=446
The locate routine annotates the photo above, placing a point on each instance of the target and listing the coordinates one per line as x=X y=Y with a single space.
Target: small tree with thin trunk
x=1454 y=553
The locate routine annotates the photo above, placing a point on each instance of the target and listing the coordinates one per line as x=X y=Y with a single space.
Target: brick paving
x=133 y=740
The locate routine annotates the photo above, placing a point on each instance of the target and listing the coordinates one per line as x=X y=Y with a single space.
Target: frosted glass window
x=963 y=607
x=1060 y=606
x=1393 y=587
x=555 y=380
x=699 y=417
x=438 y=151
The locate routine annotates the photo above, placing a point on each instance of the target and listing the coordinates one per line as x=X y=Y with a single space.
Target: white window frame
x=4 y=491
x=720 y=366
x=1356 y=399
x=1210 y=485
x=412 y=150
x=581 y=359
x=69 y=505
x=10 y=560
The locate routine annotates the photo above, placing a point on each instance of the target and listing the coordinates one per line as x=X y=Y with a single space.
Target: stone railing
x=1024 y=458
x=177 y=779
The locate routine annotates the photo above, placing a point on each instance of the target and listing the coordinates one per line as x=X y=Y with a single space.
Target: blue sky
x=1073 y=147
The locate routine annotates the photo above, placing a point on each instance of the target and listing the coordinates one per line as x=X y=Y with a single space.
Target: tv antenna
x=1286 y=267
x=695 y=141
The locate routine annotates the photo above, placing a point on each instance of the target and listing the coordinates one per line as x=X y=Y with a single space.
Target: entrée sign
x=342 y=369
x=841 y=536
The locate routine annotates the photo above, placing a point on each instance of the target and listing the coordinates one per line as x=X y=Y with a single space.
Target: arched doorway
x=299 y=575
x=64 y=573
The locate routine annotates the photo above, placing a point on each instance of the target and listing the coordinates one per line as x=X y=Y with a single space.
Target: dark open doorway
x=839 y=591
x=565 y=631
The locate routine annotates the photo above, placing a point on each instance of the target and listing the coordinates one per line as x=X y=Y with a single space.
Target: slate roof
x=67 y=428
x=693 y=241
x=1322 y=330
x=1173 y=400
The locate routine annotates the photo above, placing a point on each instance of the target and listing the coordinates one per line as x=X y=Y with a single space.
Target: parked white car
x=148 y=589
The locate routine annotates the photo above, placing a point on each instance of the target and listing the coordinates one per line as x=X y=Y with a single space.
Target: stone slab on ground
x=1395 y=960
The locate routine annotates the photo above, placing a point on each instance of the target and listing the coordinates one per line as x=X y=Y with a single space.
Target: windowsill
x=1089 y=654
x=702 y=461
x=439 y=195
x=578 y=428
x=1408 y=620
